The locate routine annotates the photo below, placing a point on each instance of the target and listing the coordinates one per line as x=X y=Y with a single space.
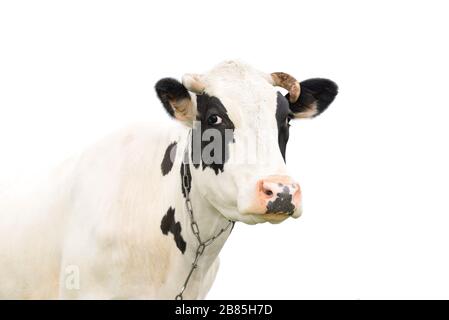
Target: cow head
x=240 y=128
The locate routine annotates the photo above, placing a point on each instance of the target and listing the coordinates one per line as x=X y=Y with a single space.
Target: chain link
x=193 y=224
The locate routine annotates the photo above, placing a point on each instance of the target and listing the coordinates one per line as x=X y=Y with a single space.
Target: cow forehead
x=243 y=90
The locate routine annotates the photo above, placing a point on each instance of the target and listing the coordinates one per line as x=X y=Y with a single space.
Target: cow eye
x=214 y=120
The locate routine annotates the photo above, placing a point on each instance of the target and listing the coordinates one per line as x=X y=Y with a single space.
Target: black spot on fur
x=208 y=106
x=187 y=180
x=168 y=224
x=321 y=91
x=283 y=115
x=283 y=203
x=170 y=89
x=169 y=157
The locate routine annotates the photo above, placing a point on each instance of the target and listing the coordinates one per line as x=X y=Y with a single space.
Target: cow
x=144 y=213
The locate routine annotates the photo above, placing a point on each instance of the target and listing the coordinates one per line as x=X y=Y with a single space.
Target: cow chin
x=274 y=218
x=248 y=217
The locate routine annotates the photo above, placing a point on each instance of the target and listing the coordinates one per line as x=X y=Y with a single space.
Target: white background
x=373 y=168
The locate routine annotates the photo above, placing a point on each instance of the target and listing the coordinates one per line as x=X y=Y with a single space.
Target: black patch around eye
x=167 y=161
x=208 y=106
x=168 y=224
x=282 y=115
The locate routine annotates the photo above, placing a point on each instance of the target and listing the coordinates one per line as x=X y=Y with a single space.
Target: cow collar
x=193 y=224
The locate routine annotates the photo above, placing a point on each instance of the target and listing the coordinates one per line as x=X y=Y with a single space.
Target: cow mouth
x=281 y=216
x=275 y=217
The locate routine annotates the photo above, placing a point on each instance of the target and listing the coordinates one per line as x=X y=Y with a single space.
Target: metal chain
x=193 y=224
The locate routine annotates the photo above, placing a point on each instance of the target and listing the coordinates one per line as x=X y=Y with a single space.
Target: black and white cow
x=114 y=224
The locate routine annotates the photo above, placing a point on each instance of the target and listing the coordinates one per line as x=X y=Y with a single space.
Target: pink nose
x=278 y=194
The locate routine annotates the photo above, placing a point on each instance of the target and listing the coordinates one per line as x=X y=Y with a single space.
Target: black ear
x=316 y=95
x=175 y=98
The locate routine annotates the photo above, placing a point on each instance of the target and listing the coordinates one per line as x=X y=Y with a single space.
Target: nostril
x=266 y=189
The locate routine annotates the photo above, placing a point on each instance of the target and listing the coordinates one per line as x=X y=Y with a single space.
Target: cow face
x=240 y=128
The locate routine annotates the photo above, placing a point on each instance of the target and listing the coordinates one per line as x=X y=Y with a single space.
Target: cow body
x=101 y=221
x=112 y=222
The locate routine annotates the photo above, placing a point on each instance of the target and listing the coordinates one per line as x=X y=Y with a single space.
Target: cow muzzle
x=276 y=198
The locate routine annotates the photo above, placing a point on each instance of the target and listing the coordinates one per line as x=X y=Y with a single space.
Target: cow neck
x=208 y=229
